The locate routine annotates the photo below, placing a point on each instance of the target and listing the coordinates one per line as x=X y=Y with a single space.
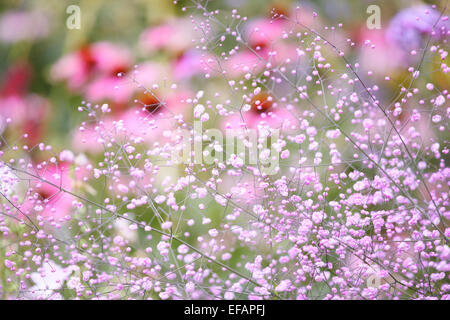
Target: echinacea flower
x=119 y=89
x=150 y=115
x=262 y=109
x=174 y=36
x=92 y=60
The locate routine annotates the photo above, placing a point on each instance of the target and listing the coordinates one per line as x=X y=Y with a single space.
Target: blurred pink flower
x=256 y=61
x=19 y=25
x=16 y=80
x=48 y=200
x=262 y=32
x=190 y=63
x=264 y=41
x=147 y=119
x=120 y=91
x=174 y=36
x=377 y=54
x=93 y=60
x=26 y=111
x=261 y=110
x=109 y=88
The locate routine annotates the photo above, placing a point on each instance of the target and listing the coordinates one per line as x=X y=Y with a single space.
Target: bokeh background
x=34 y=36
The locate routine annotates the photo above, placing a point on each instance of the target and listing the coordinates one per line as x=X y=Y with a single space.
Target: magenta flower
x=19 y=25
x=261 y=109
x=150 y=115
x=189 y=64
x=46 y=198
x=262 y=45
x=376 y=53
x=23 y=109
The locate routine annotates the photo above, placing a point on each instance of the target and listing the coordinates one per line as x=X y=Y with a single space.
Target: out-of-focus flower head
x=376 y=54
x=264 y=41
x=189 y=64
x=262 y=109
x=262 y=32
x=98 y=59
x=152 y=113
x=120 y=90
x=408 y=27
x=16 y=80
x=174 y=36
x=49 y=201
x=19 y=25
x=26 y=110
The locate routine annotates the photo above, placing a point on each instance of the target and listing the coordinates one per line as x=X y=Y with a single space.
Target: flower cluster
x=333 y=182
